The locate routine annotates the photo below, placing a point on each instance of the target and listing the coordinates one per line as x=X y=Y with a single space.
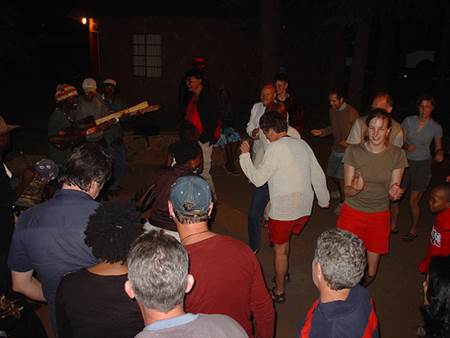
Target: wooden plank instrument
x=73 y=135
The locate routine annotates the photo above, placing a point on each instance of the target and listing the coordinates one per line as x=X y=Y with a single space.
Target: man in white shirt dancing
x=292 y=171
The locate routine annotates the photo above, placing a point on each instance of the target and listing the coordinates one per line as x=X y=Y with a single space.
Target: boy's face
x=438 y=201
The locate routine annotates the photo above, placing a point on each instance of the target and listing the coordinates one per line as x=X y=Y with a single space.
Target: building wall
x=230 y=47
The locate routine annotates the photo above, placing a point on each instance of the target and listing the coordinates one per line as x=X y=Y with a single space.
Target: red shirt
x=229 y=281
x=439 y=244
x=192 y=115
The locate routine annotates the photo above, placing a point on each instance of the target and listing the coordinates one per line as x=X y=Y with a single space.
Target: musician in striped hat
x=66 y=98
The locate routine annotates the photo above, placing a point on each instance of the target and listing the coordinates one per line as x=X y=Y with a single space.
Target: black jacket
x=208 y=112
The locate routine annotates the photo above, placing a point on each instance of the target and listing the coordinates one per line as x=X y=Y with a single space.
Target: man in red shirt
x=228 y=276
x=439 y=244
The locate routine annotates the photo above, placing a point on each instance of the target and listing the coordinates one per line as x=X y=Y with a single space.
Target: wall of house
x=230 y=47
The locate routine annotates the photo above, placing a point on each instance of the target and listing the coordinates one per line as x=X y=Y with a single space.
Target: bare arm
x=26 y=284
x=395 y=192
x=438 y=150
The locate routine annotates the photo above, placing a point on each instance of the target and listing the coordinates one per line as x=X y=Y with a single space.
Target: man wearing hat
x=202 y=112
x=90 y=103
x=90 y=107
x=229 y=278
x=7 y=198
x=11 y=186
x=66 y=97
x=199 y=63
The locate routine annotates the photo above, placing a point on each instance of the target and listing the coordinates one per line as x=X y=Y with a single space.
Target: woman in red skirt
x=373 y=171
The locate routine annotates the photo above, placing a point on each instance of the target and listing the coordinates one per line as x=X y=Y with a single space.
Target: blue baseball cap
x=190 y=195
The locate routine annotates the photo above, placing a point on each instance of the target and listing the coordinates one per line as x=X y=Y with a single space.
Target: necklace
x=195 y=233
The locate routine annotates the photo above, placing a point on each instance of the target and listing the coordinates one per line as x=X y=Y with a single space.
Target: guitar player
x=66 y=97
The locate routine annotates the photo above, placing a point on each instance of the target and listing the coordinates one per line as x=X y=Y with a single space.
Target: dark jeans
x=259 y=201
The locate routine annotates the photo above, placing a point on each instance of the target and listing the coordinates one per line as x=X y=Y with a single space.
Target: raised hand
x=255 y=133
x=245 y=147
x=358 y=182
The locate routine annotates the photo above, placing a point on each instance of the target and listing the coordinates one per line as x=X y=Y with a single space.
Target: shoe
x=394 y=231
x=409 y=237
x=280 y=299
x=287 y=278
x=335 y=195
x=367 y=280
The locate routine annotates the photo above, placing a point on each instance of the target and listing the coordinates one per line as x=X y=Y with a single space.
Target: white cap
x=89 y=85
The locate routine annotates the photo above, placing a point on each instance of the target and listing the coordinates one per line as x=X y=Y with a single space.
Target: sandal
x=409 y=237
x=281 y=298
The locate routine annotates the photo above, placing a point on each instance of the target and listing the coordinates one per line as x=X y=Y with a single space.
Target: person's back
x=229 y=281
x=92 y=300
x=52 y=233
x=195 y=326
x=348 y=318
x=294 y=173
x=164 y=178
x=89 y=305
x=344 y=307
x=49 y=238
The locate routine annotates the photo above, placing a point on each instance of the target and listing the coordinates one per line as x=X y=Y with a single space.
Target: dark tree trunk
x=442 y=62
x=385 y=53
x=270 y=38
x=359 y=62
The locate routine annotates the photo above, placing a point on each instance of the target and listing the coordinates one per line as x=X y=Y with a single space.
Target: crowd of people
x=153 y=267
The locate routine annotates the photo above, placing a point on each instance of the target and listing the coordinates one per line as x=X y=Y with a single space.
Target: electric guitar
x=71 y=136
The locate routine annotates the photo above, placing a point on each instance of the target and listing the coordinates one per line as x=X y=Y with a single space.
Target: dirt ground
x=397 y=290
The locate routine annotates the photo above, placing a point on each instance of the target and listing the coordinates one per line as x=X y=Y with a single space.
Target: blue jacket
x=353 y=318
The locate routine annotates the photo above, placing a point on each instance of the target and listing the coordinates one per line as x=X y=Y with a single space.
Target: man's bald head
x=384 y=101
x=268 y=94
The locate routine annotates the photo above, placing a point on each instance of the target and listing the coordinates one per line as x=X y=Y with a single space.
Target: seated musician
x=66 y=97
x=90 y=107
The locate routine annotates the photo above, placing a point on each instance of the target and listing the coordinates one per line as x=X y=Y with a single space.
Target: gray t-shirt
x=195 y=326
x=421 y=138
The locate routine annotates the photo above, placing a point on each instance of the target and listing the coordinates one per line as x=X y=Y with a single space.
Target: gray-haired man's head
x=341 y=257
x=158 y=271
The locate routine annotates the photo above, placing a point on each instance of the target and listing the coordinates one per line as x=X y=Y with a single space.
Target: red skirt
x=373 y=228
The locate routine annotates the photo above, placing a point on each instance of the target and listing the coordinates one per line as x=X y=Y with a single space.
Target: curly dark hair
x=437 y=315
x=111 y=231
